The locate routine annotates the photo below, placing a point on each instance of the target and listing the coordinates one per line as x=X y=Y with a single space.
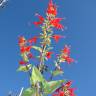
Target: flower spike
x=51 y=10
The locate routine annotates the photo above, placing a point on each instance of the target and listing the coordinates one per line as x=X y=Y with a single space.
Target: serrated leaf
x=24 y=68
x=50 y=87
x=57 y=72
x=37 y=48
x=36 y=76
x=29 y=92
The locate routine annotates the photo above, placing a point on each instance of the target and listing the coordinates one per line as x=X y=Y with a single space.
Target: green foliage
x=29 y=92
x=51 y=86
x=37 y=48
x=36 y=76
x=25 y=58
x=57 y=72
x=24 y=68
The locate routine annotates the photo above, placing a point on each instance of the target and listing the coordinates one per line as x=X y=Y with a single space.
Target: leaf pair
x=48 y=87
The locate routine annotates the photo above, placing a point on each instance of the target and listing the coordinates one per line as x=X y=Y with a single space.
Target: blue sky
x=80 y=34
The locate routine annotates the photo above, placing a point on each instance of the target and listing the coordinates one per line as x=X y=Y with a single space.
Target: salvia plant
x=39 y=85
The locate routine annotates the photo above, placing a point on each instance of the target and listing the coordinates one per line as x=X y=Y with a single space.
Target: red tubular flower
x=32 y=40
x=57 y=20
x=25 y=49
x=55 y=23
x=68 y=84
x=69 y=60
x=61 y=93
x=51 y=9
x=28 y=48
x=48 y=54
x=41 y=20
x=22 y=41
x=66 y=50
x=22 y=49
x=57 y=37
x=66 y=55
x=22 y=62
x=71 y=91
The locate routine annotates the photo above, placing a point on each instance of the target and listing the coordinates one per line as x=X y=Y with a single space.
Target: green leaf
x=36 y=76
x=29 y=92
x=24 y=56
x=57 y=72
x=25 y=68
x=37 y=48
x=50 y=87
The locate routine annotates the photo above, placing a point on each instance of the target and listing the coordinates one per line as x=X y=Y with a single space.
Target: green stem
x=58 y=63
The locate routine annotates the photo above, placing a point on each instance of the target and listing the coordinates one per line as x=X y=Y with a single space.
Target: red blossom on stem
x=21 y=41
x=66 y=50
x=56 y=23
x=71 y=91
x=41 y=20
x=68 y=84
x=25 y=49
x=66 y=55
x=61 y=93
x=33 y=40
x=69 y=59
x=57 y=37
x=22 y=63
x=51 y=9
x=48 y=54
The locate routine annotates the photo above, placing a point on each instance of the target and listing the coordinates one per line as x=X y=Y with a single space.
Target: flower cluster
x=65 y=90
x=25 y=49
x=39 y=86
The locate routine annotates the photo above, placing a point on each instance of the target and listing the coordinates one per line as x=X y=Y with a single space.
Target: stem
x=58 y=63
x=42 y=53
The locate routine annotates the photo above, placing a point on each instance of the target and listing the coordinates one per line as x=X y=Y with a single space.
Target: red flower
x=57 y=37
x=69 y=60
x=22 y=49
x=28 y=48
x=22 y=62
x=66 y=50
x=21 y=41
x=48 y=54
x=55 y=23
x=68 y=84
x=32 y=40
x=71 y=91
x=25 y=49
x=51 y=9
x=61 y=93
x=41 y=20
